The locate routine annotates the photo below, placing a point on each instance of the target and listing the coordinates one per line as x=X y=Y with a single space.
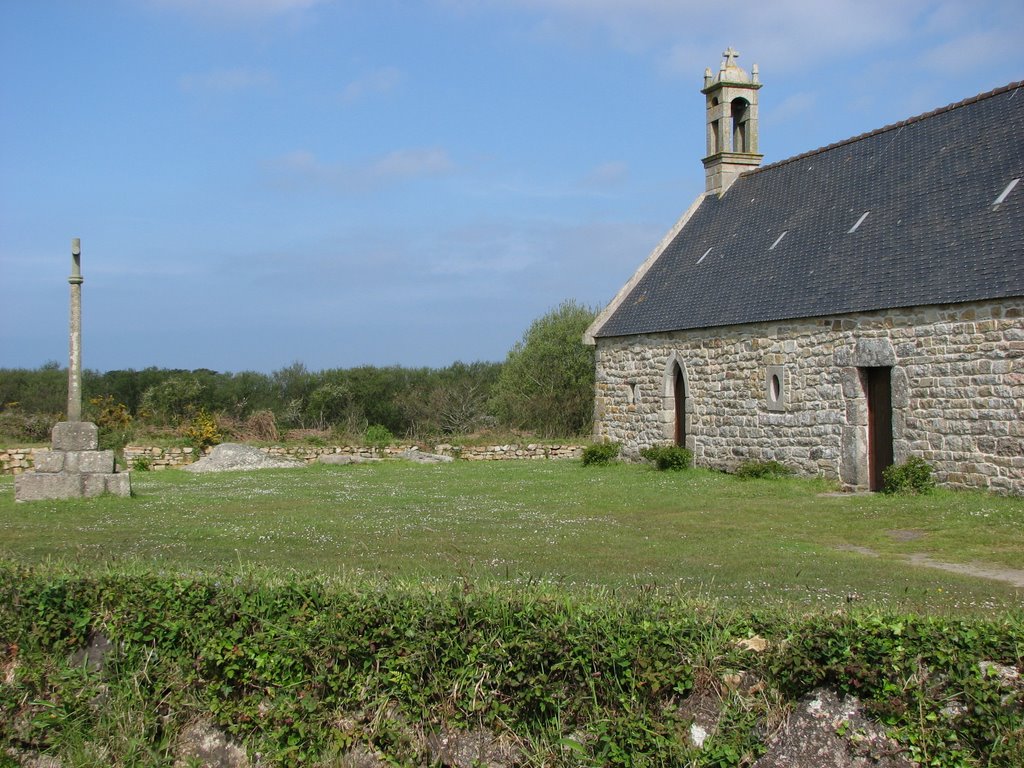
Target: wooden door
x=878 y=385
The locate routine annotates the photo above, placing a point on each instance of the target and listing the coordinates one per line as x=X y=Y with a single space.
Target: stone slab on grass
x=234 y=457
x=420 y=457
x=344 y=458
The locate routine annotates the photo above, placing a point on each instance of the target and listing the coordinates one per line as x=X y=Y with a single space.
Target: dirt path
x=994 y=572
x=1009 y=575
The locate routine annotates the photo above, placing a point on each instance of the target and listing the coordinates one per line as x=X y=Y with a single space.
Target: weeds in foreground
x=912 y=477
x=303 y=670
x=750 y=470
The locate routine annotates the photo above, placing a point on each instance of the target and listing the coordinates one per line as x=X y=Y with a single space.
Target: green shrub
x=378 y=437
x=28 y=427
x=114 y=422
x=912 y=477
x=141 y=464
x=600 y=453
x=173 y=399
x=668 y=456
x=202 y=431
x=751 y=470
x=547 y=382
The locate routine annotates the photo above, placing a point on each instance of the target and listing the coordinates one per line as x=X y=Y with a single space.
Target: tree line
x=544 y=386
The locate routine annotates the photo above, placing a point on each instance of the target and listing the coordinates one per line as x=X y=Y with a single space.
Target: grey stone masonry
x=75 y=436
x=794 y=391
x=73 y=468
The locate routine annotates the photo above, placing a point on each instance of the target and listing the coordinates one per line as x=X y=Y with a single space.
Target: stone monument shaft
x=75 y=467
x=75 y=356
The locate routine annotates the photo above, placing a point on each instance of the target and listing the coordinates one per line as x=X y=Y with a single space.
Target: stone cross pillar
x=74 y=467
x=75 y=357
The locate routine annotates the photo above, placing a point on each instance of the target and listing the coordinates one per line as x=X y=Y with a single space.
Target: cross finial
x=730 y=53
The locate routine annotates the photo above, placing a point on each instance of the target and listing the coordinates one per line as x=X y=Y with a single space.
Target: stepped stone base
x=74 y=468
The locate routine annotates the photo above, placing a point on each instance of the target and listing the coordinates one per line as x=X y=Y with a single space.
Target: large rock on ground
x=420 y=457
x=232 y=457
x=825 y=731
x=340 y=459
x=205 y=745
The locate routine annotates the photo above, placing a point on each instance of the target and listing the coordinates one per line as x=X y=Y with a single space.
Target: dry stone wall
x=17 y=460
x=794 y=392
x=14 y=461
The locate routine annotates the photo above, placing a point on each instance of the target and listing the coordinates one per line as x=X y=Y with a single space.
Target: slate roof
x=932 y=234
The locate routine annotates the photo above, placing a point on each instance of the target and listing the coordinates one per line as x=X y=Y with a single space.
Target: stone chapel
x=837 y=311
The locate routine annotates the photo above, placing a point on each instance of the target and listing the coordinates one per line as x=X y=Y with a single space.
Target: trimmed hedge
x=668 y=456
x=302 y=670
x=600 y=454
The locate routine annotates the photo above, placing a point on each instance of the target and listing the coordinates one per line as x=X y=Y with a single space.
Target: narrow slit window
x=778 y=239
x=705 y=255
x=1005 y=193
x=859 y=222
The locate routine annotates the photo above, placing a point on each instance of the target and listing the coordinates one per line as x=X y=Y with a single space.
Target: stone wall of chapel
x=957 y=385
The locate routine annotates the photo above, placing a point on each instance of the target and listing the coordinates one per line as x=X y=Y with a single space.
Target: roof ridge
x=892 y=126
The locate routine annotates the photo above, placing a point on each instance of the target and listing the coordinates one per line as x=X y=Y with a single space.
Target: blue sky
x=347 y=182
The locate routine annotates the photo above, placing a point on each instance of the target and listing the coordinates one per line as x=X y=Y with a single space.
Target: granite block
x=76 y=436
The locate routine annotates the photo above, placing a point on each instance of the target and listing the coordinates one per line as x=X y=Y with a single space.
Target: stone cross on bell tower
x=74 y=467
x=731 y=109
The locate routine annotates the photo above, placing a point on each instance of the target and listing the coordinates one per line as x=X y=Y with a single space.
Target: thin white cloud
x=791 y=108
x=499 y=253
x=304 y=167
x=606 y=175
x=226 y=80
x=236 y=9
x=299 y=161
x=378 y=81
x=410 y=163
x=972 y=50
x=688 y=35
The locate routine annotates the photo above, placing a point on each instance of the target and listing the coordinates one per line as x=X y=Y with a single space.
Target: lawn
x=739 y=542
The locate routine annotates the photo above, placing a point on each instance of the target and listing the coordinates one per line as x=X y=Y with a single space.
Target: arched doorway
x=878 y=389
x=679 y=397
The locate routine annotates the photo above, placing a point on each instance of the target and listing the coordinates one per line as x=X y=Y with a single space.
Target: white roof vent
x=859 y=222
x=1005 y=193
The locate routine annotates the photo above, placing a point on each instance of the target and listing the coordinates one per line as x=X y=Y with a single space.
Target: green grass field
x=622 y=527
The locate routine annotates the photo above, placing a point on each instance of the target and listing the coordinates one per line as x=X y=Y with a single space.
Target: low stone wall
x=17 y=460
x=14 y=461
x=160 y=458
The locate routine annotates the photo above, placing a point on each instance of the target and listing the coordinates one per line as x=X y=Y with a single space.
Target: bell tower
x=731 y=98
